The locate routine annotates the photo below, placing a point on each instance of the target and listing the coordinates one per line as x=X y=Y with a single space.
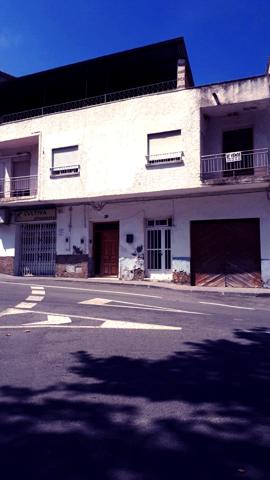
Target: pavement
x=257 y=292
x=111 y=382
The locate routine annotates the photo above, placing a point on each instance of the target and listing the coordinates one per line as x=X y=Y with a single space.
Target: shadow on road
x=79 y=430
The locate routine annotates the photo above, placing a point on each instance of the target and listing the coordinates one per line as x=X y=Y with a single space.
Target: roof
x=141 y=66
x=5 y=76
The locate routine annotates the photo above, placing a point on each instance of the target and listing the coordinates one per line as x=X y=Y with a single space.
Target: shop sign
x=35 y=215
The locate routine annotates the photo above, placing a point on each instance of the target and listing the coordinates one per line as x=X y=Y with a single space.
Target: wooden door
x=243 y=258
x=109 y=252
x=226 y=253
x=207 y=254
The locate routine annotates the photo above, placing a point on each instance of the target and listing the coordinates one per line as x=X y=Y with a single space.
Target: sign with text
x=233 y=157
x=35 y=215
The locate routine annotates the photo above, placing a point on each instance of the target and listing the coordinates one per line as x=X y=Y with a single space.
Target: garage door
x=226 y=253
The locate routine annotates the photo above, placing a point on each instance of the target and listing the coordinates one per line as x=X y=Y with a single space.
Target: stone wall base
x=72 y=266
x=7 y=265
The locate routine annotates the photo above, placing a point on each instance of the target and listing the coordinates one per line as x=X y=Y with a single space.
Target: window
x=65 y=161
x=164 y=147
x=158 y=238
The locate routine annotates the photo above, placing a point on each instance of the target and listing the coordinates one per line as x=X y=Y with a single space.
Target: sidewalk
x=255 y=292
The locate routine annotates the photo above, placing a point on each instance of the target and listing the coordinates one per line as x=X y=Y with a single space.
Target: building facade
x=120 y=166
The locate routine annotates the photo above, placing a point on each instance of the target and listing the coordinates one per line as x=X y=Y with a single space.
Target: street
x=116 y=382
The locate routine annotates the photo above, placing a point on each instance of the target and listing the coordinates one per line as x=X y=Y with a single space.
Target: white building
x=120 y=166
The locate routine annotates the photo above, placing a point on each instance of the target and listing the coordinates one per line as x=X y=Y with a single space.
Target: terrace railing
x=91 y=101
x=15 y=187
x=247 y=162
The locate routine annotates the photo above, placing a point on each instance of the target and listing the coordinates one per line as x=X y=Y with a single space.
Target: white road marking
x=36 y=287
x=11 y=311
x=59 y=321
x=229 y=306
x=86 y=327
x=136 y=326
x=132 y=305
x=83 y=289
x=96 y=301
x=38 y=292
x=25 y=305
x=52 y=320
x=34 y=298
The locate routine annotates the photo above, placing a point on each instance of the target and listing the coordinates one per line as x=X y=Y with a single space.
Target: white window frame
x=165 y=250
x=163 y=158
x=64 y=170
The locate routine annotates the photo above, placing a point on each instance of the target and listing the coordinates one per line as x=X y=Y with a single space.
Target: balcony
x=16 y=188
x=236 y=167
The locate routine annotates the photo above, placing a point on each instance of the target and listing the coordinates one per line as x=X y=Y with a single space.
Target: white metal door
x=38 y=249
x=158 y=249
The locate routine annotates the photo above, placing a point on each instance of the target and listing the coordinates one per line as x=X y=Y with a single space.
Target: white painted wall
x=7 y=240
x=72 y=228
x=112 y=140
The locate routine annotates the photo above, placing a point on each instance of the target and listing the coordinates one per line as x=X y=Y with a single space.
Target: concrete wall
x=76 y=223
x=112 y=141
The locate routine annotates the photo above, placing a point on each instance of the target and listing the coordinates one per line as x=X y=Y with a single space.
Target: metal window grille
x=38 y=249
x=159 y=249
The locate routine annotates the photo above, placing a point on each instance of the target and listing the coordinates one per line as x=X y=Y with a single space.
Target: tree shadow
x=200 y=414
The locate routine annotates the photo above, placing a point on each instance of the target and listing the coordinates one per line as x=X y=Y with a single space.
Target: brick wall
x=7 y=265
x=72 y=266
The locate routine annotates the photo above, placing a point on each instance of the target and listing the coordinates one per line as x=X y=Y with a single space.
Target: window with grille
x=65 y=161
x=158 y=239
x=164 y=147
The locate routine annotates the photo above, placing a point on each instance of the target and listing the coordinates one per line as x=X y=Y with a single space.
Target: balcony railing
x=18 y=187
x=91 y=101
x=235 y=164
x=164 y=158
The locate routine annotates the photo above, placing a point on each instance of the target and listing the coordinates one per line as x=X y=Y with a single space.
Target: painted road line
x=25 y=305
x=96 y=301
x=80 y=317
x=229 y=306
x=113 y=292
x=36 y=287
x=93 y=327
x=34 y=298
x=52 y=320
x=136 y=326
x=11 y=311
x=132 y=305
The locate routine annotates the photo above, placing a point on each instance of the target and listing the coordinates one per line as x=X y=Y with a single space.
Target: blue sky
x=225 y=39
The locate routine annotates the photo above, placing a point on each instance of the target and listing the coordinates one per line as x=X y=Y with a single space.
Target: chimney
x=182 y=81
x=268 y=67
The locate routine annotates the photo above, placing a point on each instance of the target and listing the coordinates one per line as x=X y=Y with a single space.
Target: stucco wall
x=7 y=240
x=112 y=140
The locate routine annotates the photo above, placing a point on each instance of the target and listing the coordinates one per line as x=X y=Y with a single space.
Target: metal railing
x=65 y=170
x=247 y=162
x=91 y=101
x=162 y=158
x=15 y=187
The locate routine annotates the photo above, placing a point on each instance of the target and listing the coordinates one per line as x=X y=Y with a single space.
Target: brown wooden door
x=109 y=248
x=226 y=253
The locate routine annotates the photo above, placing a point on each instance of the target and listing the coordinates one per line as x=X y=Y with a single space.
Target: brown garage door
x=226 y=253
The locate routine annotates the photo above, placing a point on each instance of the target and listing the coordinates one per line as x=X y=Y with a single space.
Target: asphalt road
x=116 y=382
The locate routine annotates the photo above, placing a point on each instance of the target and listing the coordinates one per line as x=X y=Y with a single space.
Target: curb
x=160 y=285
